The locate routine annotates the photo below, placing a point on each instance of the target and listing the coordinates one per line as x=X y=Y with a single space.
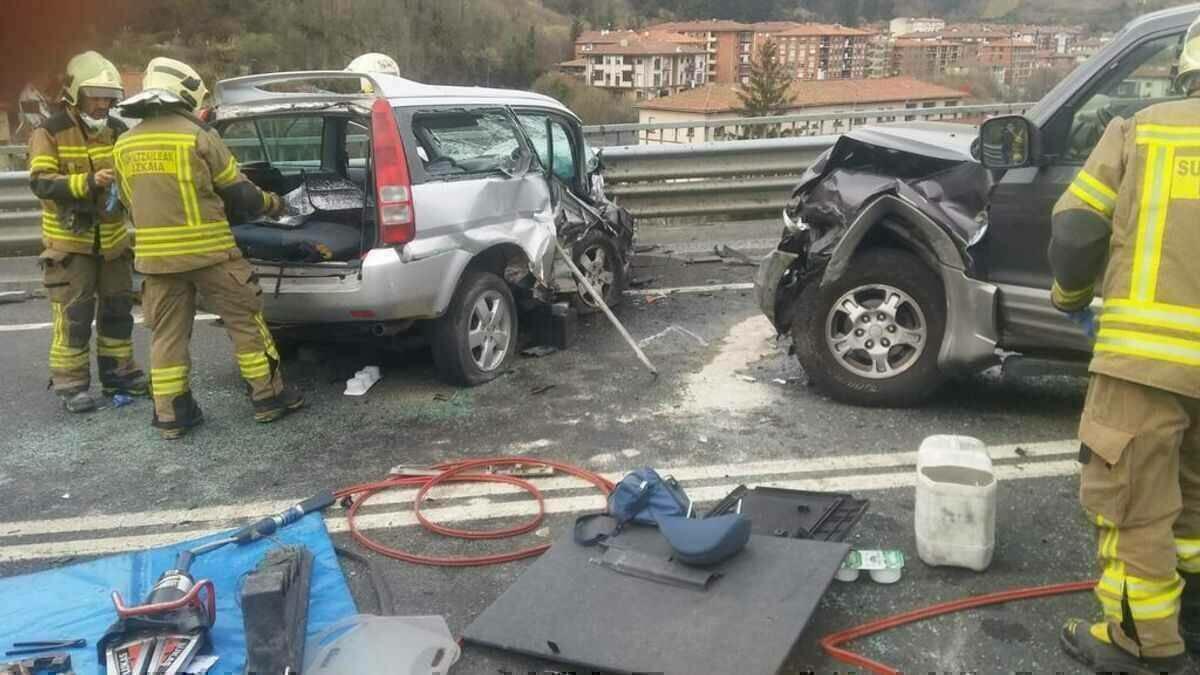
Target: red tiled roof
x=773 y=26
x=1010 y=44
x=908 y=43
x=708 y=26
x=606 y=36
x=719 y=98
x=647 y=47
x=818 y=29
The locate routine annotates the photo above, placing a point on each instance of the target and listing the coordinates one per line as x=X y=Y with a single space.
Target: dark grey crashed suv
x=909 y=254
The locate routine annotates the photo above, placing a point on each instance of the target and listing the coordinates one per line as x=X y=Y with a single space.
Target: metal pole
x=604 y=306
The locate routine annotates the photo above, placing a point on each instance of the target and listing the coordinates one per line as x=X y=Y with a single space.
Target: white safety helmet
x=1189 y=58
x=175 y=78
x=373 y=63
x=89 y=74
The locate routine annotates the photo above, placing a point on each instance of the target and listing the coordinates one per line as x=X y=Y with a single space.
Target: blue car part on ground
x=75 y=600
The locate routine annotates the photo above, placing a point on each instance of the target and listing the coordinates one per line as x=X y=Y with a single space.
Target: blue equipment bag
x=645 y=498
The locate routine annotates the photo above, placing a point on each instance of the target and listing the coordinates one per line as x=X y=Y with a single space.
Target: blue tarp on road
x=73 y=602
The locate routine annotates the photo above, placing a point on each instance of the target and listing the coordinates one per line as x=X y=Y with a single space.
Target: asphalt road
x=729 y=407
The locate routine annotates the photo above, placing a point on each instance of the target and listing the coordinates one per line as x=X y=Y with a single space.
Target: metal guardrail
x=653 y=180
x=735 y=178
x=20 y=215
x=785 y=126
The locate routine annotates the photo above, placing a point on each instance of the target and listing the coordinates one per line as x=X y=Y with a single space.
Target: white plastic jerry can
x=956 y=503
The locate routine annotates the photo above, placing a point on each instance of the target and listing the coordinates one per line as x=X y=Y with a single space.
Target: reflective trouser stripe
x=268 y=340
x=1188 y=553
x=62 y=355
x=1149 y=346
x=1151 y=221
x=112 y=347
x=254 y=365
x=169 y=381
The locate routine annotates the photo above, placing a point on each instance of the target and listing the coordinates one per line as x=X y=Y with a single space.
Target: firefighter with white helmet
x=86 y=262
x=179 y=180
x=373 y=63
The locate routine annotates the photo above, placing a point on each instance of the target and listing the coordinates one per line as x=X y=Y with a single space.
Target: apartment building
x=1011 y=61
x=905 y=25
x=927 y=59
x=728 y=44
x=824 y=52
x=646 y=67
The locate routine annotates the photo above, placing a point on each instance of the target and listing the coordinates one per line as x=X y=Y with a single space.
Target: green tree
x=769 y=89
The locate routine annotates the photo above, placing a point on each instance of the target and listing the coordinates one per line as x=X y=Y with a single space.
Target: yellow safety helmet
x=176 y=78
x=373 y=63
x=91 y=75
x=1189 y=57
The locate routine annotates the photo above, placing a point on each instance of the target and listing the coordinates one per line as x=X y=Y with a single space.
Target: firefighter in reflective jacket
x=1136 y=205
x=179 y=180
x=87 y=265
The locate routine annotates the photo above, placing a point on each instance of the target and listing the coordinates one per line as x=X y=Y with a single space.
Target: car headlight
x=793 y=226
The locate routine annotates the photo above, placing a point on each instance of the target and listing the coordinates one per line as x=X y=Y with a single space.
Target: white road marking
x=481 y=510
x=714 y=288
x=20 y=327
x=480 y=507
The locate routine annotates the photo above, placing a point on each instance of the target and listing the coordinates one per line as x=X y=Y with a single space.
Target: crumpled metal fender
x=972 y=334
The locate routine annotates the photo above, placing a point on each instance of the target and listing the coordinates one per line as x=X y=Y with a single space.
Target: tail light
x=393 y=186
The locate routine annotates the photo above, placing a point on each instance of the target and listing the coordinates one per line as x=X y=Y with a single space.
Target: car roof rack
x=250 y=88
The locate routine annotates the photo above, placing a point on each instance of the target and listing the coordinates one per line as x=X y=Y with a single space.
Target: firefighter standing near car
x=179 y=181
x=1136 y=205
x=87 y=265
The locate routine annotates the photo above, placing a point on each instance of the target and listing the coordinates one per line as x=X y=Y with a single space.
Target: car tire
x=872 y=337
x=596 y=256
x=465 y=344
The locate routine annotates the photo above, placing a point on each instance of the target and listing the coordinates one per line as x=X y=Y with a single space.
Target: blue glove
x=1085 y=319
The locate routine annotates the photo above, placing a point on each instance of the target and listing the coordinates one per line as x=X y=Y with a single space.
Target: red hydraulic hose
x=459 y=472
x=832 y=644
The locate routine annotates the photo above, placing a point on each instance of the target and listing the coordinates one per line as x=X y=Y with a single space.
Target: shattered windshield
x=466 y=142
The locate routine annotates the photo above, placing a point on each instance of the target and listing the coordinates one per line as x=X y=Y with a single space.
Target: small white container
x=956 y=503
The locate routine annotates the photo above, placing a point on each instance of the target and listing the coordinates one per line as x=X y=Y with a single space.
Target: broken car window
x=564 y=151
x=467 y=142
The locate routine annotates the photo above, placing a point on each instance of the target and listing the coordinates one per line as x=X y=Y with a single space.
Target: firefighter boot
x=132 y=383
x=1091 y=645
x=1189 y=614
x=187 y=416
x=280 y=405
x=77 y=400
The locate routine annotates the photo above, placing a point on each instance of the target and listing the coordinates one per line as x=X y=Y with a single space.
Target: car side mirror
x=1008 y=142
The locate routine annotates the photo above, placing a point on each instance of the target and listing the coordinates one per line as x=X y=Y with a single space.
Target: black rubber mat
x=569 y=608
x=799 y=514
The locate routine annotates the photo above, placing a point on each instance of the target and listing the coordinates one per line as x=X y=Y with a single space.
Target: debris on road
x=10 y=297
x=537 y=391
x=796 y=514
x=539 y=351
x=885 y=567
x=780 y=381
x=955 y=515
x=362 y=381
x=702 y=438
x=747 y=379
x=732 y=256
x=703 y=260
x=646 y=248
x=121 y=400
x=642 y=282
x=674 y=329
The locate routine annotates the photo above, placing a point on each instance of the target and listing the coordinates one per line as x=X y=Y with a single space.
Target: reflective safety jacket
x=62 y=160
x=1136 y=203
x=177 y=179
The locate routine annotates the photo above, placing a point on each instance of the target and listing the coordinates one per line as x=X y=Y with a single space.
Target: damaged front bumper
x=768 y=279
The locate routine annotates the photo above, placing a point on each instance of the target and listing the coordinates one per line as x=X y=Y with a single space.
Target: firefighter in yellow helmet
x=1129 y=223
x=86 y=264
x=179 y=180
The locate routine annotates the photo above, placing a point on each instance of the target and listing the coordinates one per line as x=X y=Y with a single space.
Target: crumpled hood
x=940 y=140
x=928 y=165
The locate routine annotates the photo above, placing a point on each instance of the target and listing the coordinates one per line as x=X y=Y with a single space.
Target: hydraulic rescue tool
x=163 y=635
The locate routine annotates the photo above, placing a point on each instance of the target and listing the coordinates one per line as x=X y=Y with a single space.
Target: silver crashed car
x=418 y=209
